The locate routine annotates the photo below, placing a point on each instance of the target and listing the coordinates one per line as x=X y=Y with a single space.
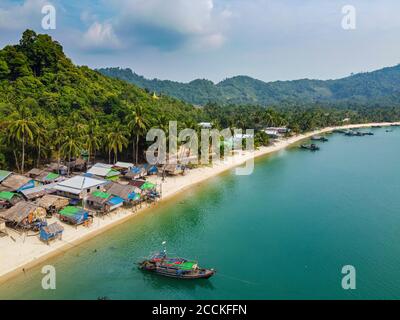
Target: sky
x=183 y=40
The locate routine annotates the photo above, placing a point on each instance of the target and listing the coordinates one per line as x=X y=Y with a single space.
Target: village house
x=128 y=193
x=78 y=187
x=103 y=171
x=24 y=215
x=17 y=183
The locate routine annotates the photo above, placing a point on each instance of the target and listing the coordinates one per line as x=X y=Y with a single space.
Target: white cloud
x=20 y=16
x=199 y=21
x=101 y=36
x=210 y=41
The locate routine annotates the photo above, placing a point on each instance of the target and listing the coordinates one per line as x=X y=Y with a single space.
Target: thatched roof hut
x=52 y=202
x=173 y=169
x=33 y=173
x=126 y=192
x=16 y=182
x=23 y=213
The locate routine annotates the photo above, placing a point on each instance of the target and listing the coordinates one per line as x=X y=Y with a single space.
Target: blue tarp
x=44 y=236
x=153 y=170
x=135 y=170
x=115 y=201
x=29 y=185
x=133 y=196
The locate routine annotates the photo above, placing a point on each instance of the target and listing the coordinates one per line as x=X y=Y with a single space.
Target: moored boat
x=319 y=138
x=311 y=147
x=175 y=267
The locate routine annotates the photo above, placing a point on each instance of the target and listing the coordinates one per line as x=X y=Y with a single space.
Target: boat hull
x=205 y=275
x=174 y=273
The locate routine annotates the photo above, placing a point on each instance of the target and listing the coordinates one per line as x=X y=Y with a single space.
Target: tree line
x=52 y=110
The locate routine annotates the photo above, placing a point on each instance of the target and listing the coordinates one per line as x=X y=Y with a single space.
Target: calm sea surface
x=286 y=231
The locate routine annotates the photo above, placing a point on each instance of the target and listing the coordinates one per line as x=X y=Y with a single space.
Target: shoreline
x=17 y=257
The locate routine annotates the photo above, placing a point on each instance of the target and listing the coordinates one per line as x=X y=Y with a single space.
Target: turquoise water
x=283 y=232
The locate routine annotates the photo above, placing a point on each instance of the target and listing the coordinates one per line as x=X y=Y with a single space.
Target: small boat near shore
x=311 y=147
x=179 y=268
x=319 y=138
x=352 y=133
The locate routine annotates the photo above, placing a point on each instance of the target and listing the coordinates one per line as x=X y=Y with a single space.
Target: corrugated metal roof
x=4 y=174
x=99 y=171
x=102 y=165
x=38 y=189
x=125 y=165
x=78 y=183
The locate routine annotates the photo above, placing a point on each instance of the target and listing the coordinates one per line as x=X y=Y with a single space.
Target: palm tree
x=116 y=141
x=22 y=128
x=93 y=140
x=137 y=124
x=71 y=147
x=41 y=138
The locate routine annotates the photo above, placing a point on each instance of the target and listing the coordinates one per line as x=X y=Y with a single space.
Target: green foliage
x=75 y=107
x=51 y=109
x=371 y=89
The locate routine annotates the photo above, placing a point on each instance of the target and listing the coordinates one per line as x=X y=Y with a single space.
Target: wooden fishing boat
x=319 y=138
x=311 y=147
x=179 y=268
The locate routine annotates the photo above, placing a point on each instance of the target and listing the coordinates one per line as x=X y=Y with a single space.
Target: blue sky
x=215 y=39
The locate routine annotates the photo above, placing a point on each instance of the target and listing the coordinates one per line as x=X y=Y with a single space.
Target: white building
x=79 y=187
x=123 y=165
x=276 y=132
x=205 y=125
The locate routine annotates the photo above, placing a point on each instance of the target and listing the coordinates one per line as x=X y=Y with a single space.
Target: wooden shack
x=52 y=203
x=25 y=215
x=51 y=232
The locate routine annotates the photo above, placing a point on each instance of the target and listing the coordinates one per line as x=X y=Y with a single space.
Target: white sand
x=23 y=253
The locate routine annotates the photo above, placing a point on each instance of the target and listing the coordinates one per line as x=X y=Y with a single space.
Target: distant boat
x=376 y=126
x=358 y=133
x=179 y=268
x=319 y=138
x=311 y=147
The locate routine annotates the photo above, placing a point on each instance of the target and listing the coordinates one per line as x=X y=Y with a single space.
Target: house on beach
x=103 y=171
x=51 y=232
x=24 y=215
x=78 y=187
x=128 y=192
x=9 y=199
x=123 y=166
x=75 y=216
x=103 y=202
x=17 y=183
x=52 y=203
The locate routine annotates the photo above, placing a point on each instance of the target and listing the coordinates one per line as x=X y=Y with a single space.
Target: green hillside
x=377 y=88
x=55 y=109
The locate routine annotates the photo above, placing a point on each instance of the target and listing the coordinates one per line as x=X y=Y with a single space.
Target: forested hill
x=50 y=108
x=377 y=88
x=38 y=71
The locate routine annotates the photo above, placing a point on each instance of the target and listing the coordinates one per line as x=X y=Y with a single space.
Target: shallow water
x=285 y=231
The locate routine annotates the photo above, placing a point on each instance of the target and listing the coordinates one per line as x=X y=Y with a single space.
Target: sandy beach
x=19 y=253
